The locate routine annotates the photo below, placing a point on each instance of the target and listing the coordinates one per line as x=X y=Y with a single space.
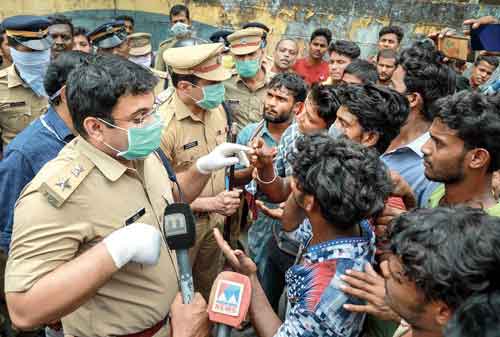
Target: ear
x=443 y=313
x=94 y=128
x=309 y=202
x=370 y=138
x=414 y=99
x=479 y=158
x=184 y=86
x=297 y=108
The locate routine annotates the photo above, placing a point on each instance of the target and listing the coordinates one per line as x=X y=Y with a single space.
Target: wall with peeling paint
x=358 y=20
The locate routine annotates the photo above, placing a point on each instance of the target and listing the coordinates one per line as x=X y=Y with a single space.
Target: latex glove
x=223 y=155
x=137 y=242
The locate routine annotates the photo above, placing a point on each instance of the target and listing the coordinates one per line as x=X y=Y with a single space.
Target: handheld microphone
x=180 y=233
x=229 y=301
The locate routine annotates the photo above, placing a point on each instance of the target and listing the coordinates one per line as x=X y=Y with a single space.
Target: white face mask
x=144 y=60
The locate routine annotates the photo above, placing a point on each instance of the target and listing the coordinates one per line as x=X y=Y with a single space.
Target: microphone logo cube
x=228 y=298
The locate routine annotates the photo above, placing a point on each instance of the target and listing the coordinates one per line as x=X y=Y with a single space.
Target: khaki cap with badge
x=140 y=44
x=246 y=41
x=203 y=61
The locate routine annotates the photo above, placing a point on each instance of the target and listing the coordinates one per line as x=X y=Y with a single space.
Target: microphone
x=180 y=233
x=229 y=301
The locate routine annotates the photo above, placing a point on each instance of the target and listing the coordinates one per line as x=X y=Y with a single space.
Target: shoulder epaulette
x=59 y=187
x=165 y=42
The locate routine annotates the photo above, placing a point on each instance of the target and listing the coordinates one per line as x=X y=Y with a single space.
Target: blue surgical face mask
x=142 y=141
x=32 y=67
x=213 y=96
x=247 y=68
x=335 y=132
x=180 y=29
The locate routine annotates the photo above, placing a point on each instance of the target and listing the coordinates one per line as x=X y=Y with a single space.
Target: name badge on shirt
x=136 y=216
x=190 y=145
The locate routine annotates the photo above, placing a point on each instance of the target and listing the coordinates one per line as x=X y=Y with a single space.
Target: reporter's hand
x=261 y=155
x=227 y=202
x=189 y=320
x=237 y=259
x=368 y=286
x=275 y=213
x=223 y=155
x=137 y=242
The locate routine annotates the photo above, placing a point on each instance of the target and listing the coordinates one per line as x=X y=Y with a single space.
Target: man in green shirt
x=463 y=152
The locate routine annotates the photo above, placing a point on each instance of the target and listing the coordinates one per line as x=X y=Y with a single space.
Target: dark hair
x=325 y=32
x=93 y=89
x=347 y=180
x=363 y=70
x=176 y=78
x=346 y=48
x=81 y=31
x=59 y=19
x=58 y=71
x=431 y=80
x=476 y=121
x=398 y=31
x=378 y=109
x=479 y=315
x=388 y=54
x=450 y=253
x=178 y=10
x=125 y=18
x=292 y=82
x=327 y=101
x=424 y=50
x=492 y=60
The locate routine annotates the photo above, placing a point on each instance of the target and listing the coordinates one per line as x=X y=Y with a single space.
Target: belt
x=148 y=332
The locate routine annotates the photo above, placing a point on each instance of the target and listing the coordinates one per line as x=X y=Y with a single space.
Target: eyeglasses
x=139 y=120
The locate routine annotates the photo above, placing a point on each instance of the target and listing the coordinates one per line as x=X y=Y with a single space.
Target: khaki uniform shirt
x=19 y=105
x=186 y=137
x=75 y=201
x=162 y=77
x=246 y=105
x=159 y=62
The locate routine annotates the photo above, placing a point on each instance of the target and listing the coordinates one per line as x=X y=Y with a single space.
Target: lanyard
x=52 y=131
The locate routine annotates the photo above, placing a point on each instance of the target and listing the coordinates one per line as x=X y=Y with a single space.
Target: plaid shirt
x=314 y=295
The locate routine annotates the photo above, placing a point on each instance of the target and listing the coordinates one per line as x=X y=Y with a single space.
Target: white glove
x=223 y=155
x=137 y=242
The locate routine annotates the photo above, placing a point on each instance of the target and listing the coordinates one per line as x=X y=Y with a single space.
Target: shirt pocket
x=187 y=154
x=15 y=115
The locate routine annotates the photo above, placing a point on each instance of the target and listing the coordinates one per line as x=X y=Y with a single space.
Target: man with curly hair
x=438 y=264
x=338 y=184
x=463 y=152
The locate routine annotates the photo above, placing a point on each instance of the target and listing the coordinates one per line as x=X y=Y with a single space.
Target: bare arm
x=277 y=191
x=192 y=183
x=243 y=176
x=63 y=290
x=264 y=319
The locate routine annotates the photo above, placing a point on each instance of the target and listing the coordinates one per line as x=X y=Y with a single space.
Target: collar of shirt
x=13 y=79
x=415 y=146
x=58 y=125
x=344 y=248
x=110 y=167
x=268 y=138
x=260 y=85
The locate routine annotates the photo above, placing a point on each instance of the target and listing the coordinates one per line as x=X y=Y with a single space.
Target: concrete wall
x=358 y=20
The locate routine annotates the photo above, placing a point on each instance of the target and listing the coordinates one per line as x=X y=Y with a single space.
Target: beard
x=276 y=118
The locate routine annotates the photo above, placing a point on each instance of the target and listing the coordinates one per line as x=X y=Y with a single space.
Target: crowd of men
x=363 y=191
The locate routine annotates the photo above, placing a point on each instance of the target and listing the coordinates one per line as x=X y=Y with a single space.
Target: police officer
x=227 y=58
x=245 y=91
x=86 y=245
x=22 y=95
x=195 y=123
x=181 y=29
x=141 y=53
x=111 y=37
